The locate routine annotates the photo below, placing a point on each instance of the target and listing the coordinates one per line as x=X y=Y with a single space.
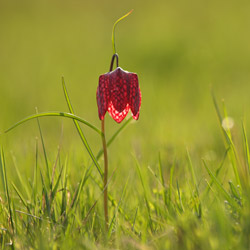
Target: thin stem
x=105 y=177
x=113 y=31
x=112 y=61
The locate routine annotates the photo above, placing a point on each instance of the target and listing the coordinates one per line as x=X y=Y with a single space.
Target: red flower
x=117 y=92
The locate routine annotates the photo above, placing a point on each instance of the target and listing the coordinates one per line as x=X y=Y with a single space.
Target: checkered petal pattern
x=118 y=92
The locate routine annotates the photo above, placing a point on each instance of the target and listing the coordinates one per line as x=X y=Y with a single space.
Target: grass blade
x=116 y=210
x=170 y=184
x=221 y=188
x=57 y=114
x=46 y=196
x=162 y=181
x=191 y=169
x=64 y=192
x=7 y=189
x=145 y=193
x=114 y=204
x=20 y=196
x=54 y=191
x=83 y=138
x=119 y=130
x=19 y=176
x=246 y=147
x=210 y=184
x=44 y=152
x=219 y=117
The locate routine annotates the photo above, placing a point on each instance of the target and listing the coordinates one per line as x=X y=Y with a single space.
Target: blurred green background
x=179 y=49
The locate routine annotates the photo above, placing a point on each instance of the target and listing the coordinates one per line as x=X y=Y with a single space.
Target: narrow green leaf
x=171 y=183
x=161 y=171
x=7 y=189
x=234 y=160
x=22 y=182
x=210 y=184
x=234 y=190
x=133 y=227
x=44 y=152
x=113 y=31
x=145 y=193
x=54 y=191
x=78 y=190
x=83 y=138
x=55 y=113
x=219 y=118
x=46 y=196
x=116 y=209
x=221 y=188
x=113 y=137
x=34 y=186
x=20 y=196
x=162 y=181
x=228 y=139
x=191 y=168
x=180 y=205
x=64 y=192
x=114 y=204
x=246 y=147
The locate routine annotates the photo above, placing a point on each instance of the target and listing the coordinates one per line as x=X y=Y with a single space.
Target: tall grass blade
x=114 y=204
x=145 y=193
x=191 y=168
x=83 y=138
x=116 y=209
x=113 y=137
x=228 y=140
x=78 y=191
x=56 y=114
x=54 y=190
x=234 y=191
x=133 y=226
x=210 y=184
x=44 y=151
x=34 y=186
x=64 y=192
x=180 y=205
x=170 y=184
x=219 y=118
x=234 y=155
x=7 y=189
x=164 y=195
x=246 y=147
x=20 y=196
x=22 y=182
x=221 y=188
x=46 y=195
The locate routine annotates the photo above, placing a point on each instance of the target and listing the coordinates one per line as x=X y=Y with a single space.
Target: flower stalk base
x=105 y=176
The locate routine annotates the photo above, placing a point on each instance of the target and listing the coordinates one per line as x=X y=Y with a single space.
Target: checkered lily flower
x=118 y=92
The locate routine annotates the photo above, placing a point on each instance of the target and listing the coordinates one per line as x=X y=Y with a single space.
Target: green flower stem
x=113 y=31
x=105 y=177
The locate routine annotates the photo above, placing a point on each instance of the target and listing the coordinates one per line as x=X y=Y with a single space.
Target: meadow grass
x=170 y=208
x=179 y=177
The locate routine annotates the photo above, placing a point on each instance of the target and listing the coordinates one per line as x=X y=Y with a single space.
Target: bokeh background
x=179 y=49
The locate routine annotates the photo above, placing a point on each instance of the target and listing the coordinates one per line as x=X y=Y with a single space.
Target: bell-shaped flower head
x=118 y=92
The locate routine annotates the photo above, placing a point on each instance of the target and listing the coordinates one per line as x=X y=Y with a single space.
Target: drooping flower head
x=118 y=92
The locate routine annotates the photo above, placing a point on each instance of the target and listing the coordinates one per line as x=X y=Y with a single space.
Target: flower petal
x=135 y=95
x=102 y=95
x=118 y=85
x=116 y=115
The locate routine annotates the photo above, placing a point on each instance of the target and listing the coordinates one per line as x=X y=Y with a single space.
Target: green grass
x=170 y=208
x=177 y=179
